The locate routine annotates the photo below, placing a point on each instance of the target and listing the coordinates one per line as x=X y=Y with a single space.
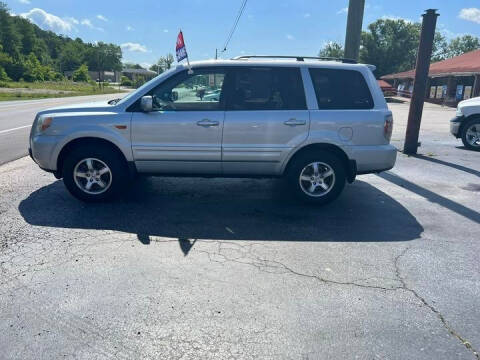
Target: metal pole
x=354 y=28
x=420 y=84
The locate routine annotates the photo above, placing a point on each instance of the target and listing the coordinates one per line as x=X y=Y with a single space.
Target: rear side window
x=341 y=89
x=266 y=88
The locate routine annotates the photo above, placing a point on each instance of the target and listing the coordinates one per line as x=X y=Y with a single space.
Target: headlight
x=459 y=112
x=43 y=123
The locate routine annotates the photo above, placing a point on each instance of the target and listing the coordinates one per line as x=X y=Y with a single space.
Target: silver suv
x=317 y=123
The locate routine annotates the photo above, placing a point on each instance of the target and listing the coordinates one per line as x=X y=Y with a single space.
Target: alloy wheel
x=473 y=135
x=92 y=176
x=317 y=179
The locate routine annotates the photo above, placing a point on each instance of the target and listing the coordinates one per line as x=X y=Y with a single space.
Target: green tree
x=462 y=44
x=156 y=67
x=81 y=74
x=71 y=57
x=8 y=36
x=392 y=45
x=102 y=56
x=165 y=62
x=129 y=65
x=26 y=33
x=33 y=69
x=332 y=49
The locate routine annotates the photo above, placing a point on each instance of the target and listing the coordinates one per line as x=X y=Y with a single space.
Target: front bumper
x=455 y=125
x=41 y=151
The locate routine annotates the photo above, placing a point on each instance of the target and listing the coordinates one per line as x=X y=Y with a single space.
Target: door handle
x=207 y=123
x=294 y=122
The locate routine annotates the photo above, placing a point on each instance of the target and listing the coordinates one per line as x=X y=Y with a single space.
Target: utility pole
x=420 y=84
x=354 y=28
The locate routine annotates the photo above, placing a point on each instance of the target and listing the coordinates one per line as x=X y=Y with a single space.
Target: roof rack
x=298 y=58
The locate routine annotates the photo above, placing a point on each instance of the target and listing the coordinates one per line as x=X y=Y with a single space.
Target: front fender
x=120 y=138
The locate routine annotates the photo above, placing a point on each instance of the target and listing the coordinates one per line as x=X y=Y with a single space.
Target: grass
x=53 y=90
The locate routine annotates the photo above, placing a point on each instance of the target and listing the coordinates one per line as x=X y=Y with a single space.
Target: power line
x=237 y=19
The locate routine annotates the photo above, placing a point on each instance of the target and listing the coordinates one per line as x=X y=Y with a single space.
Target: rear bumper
x=455 y=125
x=373 y=158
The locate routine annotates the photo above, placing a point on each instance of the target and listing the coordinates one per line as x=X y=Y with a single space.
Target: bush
x=59 y=77
x=81 y=74
x=3 y=75
x=126 y=81
x=34 y=71
x=139 y=81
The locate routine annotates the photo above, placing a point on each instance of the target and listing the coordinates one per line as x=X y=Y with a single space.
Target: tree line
x=391 y=45
x=31 y=54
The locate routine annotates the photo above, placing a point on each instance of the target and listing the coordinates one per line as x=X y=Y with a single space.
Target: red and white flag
x=180 y=49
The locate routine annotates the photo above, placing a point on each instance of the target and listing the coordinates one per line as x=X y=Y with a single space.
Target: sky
x=147 y=29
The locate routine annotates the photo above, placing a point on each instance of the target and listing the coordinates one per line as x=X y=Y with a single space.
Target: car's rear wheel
x=94 y=174
x=471 y=135
x=317 y=177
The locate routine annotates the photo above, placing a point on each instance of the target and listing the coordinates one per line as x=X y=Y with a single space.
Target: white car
x=466 y=124
x=316 y=123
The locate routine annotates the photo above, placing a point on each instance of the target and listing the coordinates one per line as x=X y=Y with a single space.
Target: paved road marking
x=17 y=128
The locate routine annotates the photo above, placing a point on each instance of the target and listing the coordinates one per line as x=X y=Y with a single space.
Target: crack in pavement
x=246 y=256
x=261 y=264
x=465 y=342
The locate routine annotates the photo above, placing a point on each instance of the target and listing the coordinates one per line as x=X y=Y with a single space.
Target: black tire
x=327 y=161
x=465 y=128
x=118 y=172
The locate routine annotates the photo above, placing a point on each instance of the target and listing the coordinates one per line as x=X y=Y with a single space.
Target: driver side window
x=200 y=91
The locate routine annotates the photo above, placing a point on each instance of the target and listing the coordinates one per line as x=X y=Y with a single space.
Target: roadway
x=16 y=119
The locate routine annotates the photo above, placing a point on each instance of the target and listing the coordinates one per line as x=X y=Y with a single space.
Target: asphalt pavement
x=16 y=118
x=236 y=269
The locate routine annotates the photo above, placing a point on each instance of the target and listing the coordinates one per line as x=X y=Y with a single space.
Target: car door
x=183 y=133
x=266 y=117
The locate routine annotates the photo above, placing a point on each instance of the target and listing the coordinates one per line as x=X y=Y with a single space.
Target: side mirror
x=146 y=103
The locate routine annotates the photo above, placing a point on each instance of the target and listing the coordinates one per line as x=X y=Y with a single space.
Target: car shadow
x=462 y=147
x=188 y=209
x=450 y=164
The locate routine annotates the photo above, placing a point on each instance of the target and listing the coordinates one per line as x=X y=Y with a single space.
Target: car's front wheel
x=471 y=135
x=94 y=174
x=317 y=177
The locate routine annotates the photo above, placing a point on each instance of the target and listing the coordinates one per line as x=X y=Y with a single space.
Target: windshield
x=144 y=86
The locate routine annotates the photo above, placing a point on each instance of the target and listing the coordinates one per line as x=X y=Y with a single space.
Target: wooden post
x=419 y=86
x=476 y=86
x=354 y=28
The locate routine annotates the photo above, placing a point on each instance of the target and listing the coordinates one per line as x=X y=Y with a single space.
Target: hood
x=470 y=102
x=100 y=106
x=469 y=107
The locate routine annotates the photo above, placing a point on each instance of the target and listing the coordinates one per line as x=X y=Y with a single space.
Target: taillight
x=388 y=127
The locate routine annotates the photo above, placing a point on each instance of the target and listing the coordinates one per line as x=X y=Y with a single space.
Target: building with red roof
x=387 y=89
x=449 y=81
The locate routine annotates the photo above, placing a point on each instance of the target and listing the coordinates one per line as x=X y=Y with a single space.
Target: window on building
x=341 y=89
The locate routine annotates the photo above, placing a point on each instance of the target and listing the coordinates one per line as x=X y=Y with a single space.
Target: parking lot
x=235 y=268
